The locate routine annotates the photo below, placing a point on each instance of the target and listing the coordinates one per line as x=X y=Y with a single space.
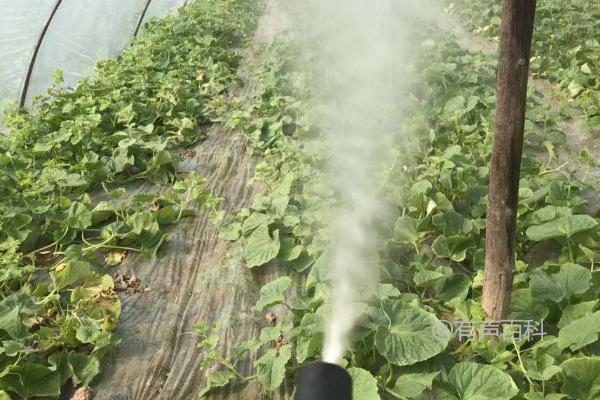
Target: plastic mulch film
x=82 y=32
x=20 y=24
x=197 y=278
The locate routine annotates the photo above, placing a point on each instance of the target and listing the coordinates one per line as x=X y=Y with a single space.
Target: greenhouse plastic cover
x=79 y=33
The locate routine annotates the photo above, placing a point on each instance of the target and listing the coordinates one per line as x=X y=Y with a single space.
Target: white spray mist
x=362 y=51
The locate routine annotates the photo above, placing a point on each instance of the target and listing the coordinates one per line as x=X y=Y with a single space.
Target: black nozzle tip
x=323 y=381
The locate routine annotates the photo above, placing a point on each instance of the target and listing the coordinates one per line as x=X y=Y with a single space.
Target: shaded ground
x=197 y=277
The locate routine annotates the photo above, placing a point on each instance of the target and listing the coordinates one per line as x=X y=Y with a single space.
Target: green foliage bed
x=65 y=216
x=566 y=45
x=431 y=254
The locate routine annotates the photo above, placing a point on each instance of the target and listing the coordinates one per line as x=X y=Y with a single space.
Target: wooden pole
x=513 y=72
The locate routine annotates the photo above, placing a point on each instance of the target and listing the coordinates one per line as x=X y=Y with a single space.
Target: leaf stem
x=517 y=349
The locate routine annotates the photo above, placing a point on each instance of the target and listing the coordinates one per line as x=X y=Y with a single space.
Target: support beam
x=513 y=72
x=36 y=50
x=141 y=18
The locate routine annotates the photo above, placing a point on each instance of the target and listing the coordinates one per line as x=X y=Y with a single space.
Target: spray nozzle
x=323 y=381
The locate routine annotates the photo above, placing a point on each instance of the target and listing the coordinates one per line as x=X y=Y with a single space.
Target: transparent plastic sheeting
x=159 y=8
x=20 y=24
x=81 y=32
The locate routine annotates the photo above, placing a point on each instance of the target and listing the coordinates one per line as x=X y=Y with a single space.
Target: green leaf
x=231 y=232
x=270 y=368
x=585 y=68
x=13 y=309
x=467 y=310
x=121 y=159
x=79 y=216
x=590 y=254
x=309 y=335
x=60 y=363
x=260 y=247
x=273 y=293
x=555 y=396
x=289 y=250
x=549 y=213
x=453 y=286
x=31 y=380
x=143 y=221
x=543 y=288
x=118 y=193
x=217 y=379
x=103 y=211
x=85 y=368
x=454 y=106
x=582 y=378
x=73 y=271
x=450 y=222
x=13 y=348
x=523 y=307
x=534 y=396
x=575 y=89
x=580 y=332
x=421 y=187
x=302 y=262
x=385 y=291
x=454 y=247
x=279 y=203
x=271 y=333
x=542 y=368
x=92 y=288
x=561 y=227
x=426 y=278
x=409 y=334
x=576 y=311
x=473 y=381
x=254 y=221
x=405 y=230
x=573 y=279
x=88 y=331
x=11 y=322
x=412 y=385
x=319 y=273
x=169 y=214
x=364 y=385
x=126 y=114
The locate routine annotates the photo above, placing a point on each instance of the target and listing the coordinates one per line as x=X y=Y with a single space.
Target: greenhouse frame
x=41 y=36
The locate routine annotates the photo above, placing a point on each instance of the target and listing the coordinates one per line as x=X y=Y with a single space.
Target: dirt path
x=196 y=278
